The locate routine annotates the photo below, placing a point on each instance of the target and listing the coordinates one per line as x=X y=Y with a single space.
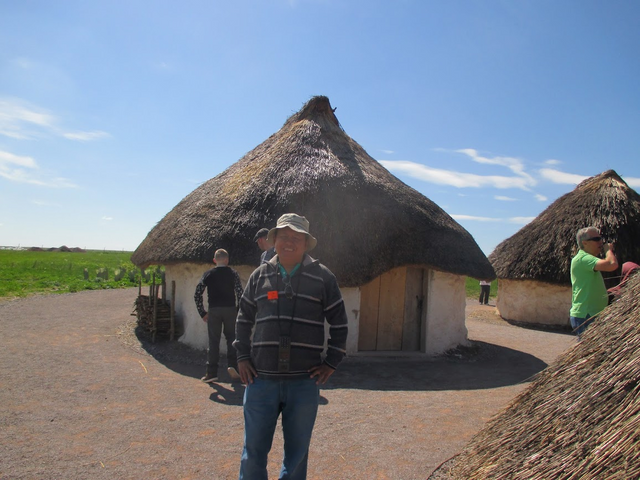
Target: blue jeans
x=579 y=325
x=264 y=400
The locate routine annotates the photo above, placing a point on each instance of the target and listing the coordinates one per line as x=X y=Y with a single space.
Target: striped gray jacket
x=266 y=310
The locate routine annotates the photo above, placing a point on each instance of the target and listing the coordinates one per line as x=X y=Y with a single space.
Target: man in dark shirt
x=224 y=291
x=268 y=251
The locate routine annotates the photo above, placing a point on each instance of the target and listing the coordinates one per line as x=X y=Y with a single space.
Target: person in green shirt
x=589 y=294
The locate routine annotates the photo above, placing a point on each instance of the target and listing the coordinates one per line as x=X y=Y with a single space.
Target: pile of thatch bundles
x=580 y=418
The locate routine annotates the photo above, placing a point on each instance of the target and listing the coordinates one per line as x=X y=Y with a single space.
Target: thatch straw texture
x=365 y=219
x=542 y=250
x=580 y=418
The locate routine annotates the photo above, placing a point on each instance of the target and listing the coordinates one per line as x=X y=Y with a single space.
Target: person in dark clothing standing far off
x=267 y=250
x=485 y=290
x=224 y=290
x=280 y=339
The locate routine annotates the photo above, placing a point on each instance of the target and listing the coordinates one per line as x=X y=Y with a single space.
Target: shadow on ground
x=479 y=366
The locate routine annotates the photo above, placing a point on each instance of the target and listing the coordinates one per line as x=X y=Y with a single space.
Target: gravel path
x=81 y=396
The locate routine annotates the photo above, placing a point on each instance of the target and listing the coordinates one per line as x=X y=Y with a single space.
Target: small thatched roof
x=542 y=250
x=365 y=219
x=580 y=418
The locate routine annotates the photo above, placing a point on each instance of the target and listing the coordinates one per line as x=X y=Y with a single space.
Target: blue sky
x=112 y=111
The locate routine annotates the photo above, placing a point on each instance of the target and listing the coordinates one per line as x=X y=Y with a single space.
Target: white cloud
x=42 y=203
x=23 y=121
x=20 y=176
x=85 y=136
x=476 y=219
x=521 y=180
x=23 y=63
x=7 y=158
x=107 y=218
x=25 y=170
x=17 y=119
x=521 y=220
x=556 y=176
x=632 y=182
x=514 y=164
x=162 y=65
x=388 y=152
x=453 y=178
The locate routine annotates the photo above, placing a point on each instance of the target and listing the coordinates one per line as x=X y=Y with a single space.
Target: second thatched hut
x=400 y=260
x=534 y=265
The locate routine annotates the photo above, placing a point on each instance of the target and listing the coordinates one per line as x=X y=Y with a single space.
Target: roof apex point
x=600 y=178
x=318 y=106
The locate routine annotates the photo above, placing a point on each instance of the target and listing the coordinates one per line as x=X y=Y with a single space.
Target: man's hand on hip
x=246 y=371
x=321 y=373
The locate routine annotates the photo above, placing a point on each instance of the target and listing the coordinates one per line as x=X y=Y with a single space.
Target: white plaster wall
x=444 y=329
x=187 y=276
x=531 y=301
x=446 y=301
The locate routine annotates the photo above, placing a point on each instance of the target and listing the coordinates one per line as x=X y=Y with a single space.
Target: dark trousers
x=221 y=320
x=484 y=293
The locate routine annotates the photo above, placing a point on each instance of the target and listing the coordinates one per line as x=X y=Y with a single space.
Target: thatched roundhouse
x=580 y=418
x=400 y=259
x=534 y=265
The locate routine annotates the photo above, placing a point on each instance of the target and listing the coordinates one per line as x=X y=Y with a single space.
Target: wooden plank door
x=391 y=309
x=413 y=308
x=368 y=324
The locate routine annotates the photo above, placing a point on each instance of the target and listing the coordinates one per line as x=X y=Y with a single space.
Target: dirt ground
x=82 y=396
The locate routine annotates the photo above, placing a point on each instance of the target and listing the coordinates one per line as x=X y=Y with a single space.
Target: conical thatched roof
x=580 y=418
x=365 y=219
x=542 y=250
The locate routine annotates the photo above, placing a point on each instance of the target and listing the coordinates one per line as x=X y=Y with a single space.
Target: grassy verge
x=24 y=273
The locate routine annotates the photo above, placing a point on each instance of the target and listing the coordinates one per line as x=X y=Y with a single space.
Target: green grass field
x=24 y=273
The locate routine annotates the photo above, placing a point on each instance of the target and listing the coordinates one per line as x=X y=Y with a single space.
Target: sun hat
x=296 y=223
x=263 y=232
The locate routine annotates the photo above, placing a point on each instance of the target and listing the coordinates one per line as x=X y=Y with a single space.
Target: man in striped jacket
x=285 y=304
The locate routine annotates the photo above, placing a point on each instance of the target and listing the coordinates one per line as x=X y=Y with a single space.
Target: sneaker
x=208 y=378
x=233 y=373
